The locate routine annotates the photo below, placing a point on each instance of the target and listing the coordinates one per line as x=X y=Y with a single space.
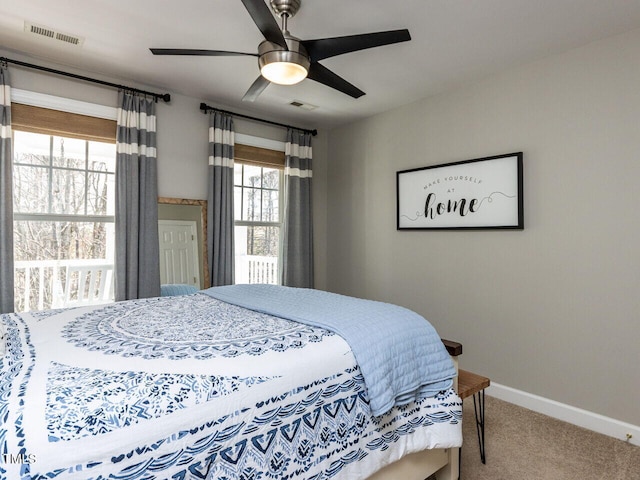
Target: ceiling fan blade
x=265 y=21
x=325 y=76
x=256 y=89
x=330 y=47
x=204 y=53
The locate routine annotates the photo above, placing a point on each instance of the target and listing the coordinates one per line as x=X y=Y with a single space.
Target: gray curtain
x=297 y=257
x=137 y=267
x=6 y=196
x=220 y=199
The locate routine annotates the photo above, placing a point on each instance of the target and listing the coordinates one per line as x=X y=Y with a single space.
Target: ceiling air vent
x=304 y=106
x=42 y=31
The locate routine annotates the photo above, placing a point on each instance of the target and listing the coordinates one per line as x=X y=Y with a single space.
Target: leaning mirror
x=182 y=232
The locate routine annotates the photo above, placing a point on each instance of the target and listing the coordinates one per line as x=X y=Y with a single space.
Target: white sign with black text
x=480 y=193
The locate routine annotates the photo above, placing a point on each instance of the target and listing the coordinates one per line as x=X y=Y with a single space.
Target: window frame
x=58 y=116
x=262 y=223
x=51 y=168
x=66 y=118
x=259 y=156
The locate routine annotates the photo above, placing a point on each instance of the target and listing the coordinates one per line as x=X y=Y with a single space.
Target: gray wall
x=553 y=309
x=182 y=137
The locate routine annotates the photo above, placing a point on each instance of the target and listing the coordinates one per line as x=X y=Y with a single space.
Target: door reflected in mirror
x=182 y=228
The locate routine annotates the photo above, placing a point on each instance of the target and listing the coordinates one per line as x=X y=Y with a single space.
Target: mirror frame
x=203 y=205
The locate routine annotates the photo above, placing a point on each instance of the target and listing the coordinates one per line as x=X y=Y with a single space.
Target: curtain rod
x=164 y=96
x=204 y=107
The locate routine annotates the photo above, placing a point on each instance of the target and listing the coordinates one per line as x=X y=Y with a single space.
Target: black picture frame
x=481 y=193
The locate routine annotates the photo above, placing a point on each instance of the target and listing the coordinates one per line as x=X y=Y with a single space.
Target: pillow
x=171 y=289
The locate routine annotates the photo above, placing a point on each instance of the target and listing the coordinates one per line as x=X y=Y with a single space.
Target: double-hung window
x=64 y=206
x=258 y=205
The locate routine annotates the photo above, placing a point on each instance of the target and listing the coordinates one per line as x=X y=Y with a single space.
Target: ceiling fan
x=287 y=60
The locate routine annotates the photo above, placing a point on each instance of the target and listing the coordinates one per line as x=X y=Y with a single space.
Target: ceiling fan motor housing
x=285 y=7
x=270 y=52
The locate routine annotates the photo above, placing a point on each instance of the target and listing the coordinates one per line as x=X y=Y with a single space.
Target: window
x=64 y=204
x=258 y=215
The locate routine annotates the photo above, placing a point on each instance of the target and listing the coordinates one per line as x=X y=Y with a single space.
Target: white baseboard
x=576 y=416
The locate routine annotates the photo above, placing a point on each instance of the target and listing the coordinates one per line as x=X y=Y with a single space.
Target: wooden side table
x=473 y=384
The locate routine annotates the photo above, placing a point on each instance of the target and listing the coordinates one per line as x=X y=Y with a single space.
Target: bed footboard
x=443 y=462
x=420 y=465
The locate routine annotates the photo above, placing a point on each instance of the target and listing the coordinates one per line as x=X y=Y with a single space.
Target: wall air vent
x=304 y=106
x=46 y=32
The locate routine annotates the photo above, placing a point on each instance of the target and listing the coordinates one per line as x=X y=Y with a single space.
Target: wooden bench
x=472 y=384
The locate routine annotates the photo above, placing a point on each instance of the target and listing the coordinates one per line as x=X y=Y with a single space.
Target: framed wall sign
x=481 y=193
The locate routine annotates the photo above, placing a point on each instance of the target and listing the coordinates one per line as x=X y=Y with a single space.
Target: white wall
x=551 y=310
x=182 y=149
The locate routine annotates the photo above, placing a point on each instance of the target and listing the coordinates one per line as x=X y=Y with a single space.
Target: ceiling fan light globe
x=284 y=73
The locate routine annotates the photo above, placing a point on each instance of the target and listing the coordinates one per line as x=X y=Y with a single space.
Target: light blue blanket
x=401 y=356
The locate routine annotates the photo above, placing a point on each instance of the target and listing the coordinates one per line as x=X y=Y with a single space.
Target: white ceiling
x=453 y=42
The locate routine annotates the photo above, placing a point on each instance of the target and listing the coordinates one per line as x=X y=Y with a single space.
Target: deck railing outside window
x=50 y=284
x=256 y=269
x=46 y=284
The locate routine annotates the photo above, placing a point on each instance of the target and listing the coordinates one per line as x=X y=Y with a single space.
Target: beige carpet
x=525 y=445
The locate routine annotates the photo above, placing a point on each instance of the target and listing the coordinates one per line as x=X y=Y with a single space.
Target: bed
x=241 y=382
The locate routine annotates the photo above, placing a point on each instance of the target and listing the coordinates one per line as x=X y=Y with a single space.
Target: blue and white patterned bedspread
x=192 y=387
